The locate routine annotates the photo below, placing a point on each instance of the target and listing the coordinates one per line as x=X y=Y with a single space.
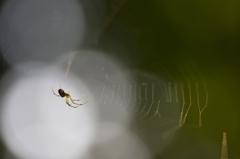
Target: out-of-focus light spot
x=37 y=124
x=108 y=131
x=40 y=30
x=124 y=144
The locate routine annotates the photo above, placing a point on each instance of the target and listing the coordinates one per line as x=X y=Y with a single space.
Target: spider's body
x=67 y=95
x=62 y=93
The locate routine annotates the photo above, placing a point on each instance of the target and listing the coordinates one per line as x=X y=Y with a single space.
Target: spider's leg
x=73 y=101
x=70 y=90
x=79 y=99
x=66 y=99
x=78 y=104
x=54 y=93
x=81 y=103
x=85 y=102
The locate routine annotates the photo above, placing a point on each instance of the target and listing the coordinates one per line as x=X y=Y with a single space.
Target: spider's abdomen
x=61 y=93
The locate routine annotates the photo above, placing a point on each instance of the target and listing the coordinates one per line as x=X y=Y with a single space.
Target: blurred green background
x=189 y=41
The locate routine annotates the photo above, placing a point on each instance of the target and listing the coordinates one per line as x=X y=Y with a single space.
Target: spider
x=67 y=95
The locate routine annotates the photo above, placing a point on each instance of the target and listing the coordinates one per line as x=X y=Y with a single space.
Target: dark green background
x=187 y=40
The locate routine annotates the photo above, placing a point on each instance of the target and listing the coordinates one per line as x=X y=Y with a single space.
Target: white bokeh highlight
x=40 y=30
x=124 y=145
x=37 y=124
